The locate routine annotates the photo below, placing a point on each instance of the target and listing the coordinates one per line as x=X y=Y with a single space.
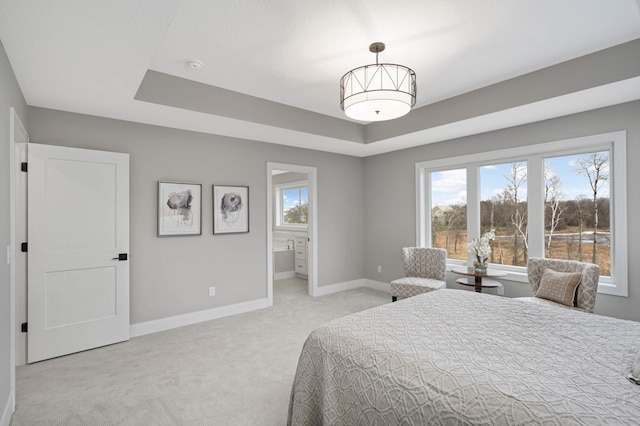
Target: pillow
x=559 y=287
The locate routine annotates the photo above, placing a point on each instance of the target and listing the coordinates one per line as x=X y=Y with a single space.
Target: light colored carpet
x=230 y=371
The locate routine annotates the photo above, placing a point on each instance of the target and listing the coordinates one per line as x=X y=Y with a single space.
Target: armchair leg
x=394 y=299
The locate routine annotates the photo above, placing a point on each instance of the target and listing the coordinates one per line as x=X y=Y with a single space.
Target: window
x=577 y=220
x=449 y=212
x=503 y=207
x=560 y=200
x=292 y=204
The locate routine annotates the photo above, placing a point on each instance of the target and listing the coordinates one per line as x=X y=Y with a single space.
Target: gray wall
x=10 y=96
x=171 y=275
x=390 y=200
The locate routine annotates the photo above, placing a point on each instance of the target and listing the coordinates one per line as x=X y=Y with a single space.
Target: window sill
x=299 y=228
x=514 y=276
x=604 y=287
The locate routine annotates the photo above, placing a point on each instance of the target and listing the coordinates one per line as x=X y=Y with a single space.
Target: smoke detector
x=195 y=64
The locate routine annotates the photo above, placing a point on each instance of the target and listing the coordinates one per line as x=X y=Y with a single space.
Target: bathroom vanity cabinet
x=300 y=248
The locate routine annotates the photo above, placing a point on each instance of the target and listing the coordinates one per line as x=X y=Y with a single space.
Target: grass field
x=563 y=246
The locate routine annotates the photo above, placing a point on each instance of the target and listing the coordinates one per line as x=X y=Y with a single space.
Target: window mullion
x=423 y=196
x=280 y=207
x=535 y=203
x=473 y=201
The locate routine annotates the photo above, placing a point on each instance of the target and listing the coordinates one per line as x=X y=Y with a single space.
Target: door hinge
x=23 y=247
x=23 y=167
x=24 y=327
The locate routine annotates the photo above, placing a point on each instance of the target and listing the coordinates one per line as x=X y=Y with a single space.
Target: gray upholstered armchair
x=425 y=270
x=563 y=283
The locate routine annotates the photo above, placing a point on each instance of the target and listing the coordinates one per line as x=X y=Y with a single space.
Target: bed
x=458 y=357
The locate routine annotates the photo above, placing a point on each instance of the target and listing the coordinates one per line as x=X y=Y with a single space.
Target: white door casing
x=17 y=136
x=312 y=230
x=20 y=259
x=78 y=224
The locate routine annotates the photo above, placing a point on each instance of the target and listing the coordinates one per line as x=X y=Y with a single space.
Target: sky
x=291 y=197
x=449 y=187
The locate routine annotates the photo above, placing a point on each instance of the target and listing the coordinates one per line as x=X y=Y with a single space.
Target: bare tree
x=552 y=196
x=596 y=167
x=516 y=178
x=299 y=213
x=579 y=200
x=451 y=218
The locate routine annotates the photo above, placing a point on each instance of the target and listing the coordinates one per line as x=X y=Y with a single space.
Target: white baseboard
x=349 y=285
x=169 y=323
x=163 y=324
x=284 y=275
x=334 y=288
x=7 y=412
x=377 y=285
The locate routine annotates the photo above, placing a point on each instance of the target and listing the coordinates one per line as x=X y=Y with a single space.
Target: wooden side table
x=478 y=282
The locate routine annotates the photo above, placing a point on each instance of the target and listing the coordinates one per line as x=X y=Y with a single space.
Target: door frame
x=312 y=230
x=17 y=134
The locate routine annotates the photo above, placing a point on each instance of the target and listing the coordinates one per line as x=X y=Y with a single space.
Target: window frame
x=534 y=155
x=279 y=204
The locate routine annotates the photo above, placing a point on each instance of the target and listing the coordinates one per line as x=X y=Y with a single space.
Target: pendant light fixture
x=378 y=92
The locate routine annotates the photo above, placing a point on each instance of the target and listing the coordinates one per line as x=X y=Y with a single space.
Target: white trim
x=377 y=285
x=620 y=285
x=291 y=228
x=504 y=155
x=338 y=287
x=8 y=410
x=615 y=142
x=284 y=275
x=535 y=215
x=473 y=203
x=423 y=232
x=515 y=274
x=16 y=130
x=350 y=285
x=10 y=406
x=164 y=324
x=169 y=323
x=312 y=229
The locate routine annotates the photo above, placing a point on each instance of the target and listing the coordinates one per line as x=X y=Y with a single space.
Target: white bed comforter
x=458 y=357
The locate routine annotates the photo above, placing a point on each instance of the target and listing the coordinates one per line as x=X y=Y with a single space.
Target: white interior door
x=78 y=225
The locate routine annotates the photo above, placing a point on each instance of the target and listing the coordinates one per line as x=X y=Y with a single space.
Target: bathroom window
x=292 y=204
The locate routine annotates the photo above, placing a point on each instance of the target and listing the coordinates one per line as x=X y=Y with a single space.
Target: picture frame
x=230 y=209
x=179 y=209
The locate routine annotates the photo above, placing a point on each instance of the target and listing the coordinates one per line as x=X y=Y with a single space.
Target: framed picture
x=179 y=209
x=230 y=209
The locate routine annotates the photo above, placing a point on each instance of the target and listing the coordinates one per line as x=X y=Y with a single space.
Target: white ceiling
x=90 y=56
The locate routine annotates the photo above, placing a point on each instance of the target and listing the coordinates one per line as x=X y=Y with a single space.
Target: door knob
x=121 y=256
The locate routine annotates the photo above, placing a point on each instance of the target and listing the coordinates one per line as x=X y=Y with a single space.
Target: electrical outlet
x=212 y=291
x=379 y=269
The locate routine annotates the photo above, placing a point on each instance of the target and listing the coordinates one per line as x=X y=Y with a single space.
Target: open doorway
x=291 y=226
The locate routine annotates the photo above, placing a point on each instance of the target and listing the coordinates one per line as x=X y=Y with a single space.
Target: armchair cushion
x=559 y=287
